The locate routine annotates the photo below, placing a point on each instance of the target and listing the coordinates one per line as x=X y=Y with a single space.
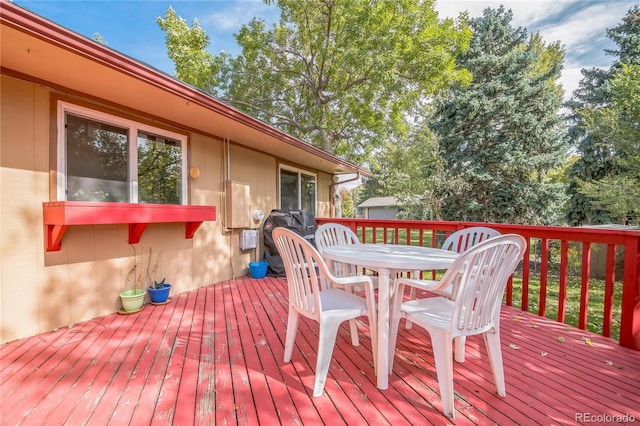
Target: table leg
x=395 y=304
x=384 y=299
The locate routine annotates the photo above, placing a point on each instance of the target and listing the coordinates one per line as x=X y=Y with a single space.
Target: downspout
x=337 y=212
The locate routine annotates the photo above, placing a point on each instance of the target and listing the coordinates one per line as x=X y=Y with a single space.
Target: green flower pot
x=132 y=299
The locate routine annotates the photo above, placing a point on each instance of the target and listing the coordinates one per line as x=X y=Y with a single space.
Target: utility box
x=249 y=239
x=238 y=205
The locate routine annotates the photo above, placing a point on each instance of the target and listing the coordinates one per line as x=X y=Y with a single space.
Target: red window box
x=58 y=215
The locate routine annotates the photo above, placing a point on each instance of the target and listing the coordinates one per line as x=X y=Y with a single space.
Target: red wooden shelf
x=58 y=215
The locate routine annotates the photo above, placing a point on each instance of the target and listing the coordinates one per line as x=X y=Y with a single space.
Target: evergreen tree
x=502 y=136
x=618 y=125
x=599 y=159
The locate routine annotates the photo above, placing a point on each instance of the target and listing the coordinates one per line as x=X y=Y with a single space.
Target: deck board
x=214 y=356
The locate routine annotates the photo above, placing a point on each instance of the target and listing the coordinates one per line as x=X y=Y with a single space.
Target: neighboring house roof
x=379 y=202
x=36 y=49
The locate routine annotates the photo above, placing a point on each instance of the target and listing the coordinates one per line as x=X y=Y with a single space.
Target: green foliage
x=416 y=176
x=340 y=74
x=348 y=208
x=617 y=126
x=375 y=185
x=502 y=136
x=98 y=37
x=599 y=157
x=186 y=48
x=159 y=170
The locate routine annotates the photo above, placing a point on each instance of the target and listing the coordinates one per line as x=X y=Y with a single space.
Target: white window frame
x=299 y=172
x=133 y=127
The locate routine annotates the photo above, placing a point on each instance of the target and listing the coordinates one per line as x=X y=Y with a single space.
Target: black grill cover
x=301 y=222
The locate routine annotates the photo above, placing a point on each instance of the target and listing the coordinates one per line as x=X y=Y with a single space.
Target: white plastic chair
x=313 y=294
x=463 y=239
x=335 y=234
x=458 y=241
x=482 y=273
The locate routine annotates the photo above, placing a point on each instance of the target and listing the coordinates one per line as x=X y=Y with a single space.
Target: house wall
x=381 y=212
x=324 y=196
x=41 y=291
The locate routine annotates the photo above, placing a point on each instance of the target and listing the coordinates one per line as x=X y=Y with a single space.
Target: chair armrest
x=354 y=280
x=433 y=286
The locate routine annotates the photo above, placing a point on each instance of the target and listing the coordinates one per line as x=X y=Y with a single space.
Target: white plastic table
x=388 y=260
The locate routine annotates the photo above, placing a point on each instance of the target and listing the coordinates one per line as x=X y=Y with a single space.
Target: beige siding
x=23 y=181
x=324 y=198
x=260 y=172
x=41 y=290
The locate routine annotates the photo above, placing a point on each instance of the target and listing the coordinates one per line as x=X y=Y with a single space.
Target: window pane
x=309 y=193
x=288 y=190
x=97 y=168
x=159 y=169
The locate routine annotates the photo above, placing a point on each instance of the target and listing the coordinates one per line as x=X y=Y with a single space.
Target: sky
x=130 y=27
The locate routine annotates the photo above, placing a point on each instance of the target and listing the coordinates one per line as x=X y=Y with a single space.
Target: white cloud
x=570 y=80
x=232 y=15
x=580 y=30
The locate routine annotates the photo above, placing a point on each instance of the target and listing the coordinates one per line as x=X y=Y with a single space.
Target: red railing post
x=544 y=269
x=609 y=282
x=526 y=268
x=630 y=318
x=584 y=286
x=564 y=274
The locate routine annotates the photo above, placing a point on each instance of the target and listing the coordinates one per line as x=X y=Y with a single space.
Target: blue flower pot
x=258 y=269
x=159 y=295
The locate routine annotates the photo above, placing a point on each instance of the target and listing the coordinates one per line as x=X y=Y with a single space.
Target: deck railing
x=554 y=256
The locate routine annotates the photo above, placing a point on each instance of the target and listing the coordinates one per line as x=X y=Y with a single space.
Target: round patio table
x=388 y=260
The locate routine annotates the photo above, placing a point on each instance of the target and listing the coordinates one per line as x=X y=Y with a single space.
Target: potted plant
x=159 y=292
x=133 y=299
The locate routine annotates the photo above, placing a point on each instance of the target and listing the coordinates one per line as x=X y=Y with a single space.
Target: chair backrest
x=305 y=270
x=482 y=273
x=334 y=234
x=463 y=239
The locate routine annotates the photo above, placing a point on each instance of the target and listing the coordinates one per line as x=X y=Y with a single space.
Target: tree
x=340 y=74
x=597 y=158
x=348 y=208
x=502 y=136
x=415 y=175
x=618 y=127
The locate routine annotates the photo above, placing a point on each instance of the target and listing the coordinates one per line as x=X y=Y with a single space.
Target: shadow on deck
x=214 y=356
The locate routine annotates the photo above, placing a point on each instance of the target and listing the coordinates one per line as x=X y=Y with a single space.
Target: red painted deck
x=214 y=356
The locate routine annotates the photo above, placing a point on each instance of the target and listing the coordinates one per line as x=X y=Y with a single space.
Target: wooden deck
x=214 y=356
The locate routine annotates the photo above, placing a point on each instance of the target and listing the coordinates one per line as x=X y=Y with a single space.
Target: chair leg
x=412 y=296
x=492 y=342
x=353 y=327
x=459 y=343
x=443 y=354
x=372 y=316
x=292 y=329
x=326 y=342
